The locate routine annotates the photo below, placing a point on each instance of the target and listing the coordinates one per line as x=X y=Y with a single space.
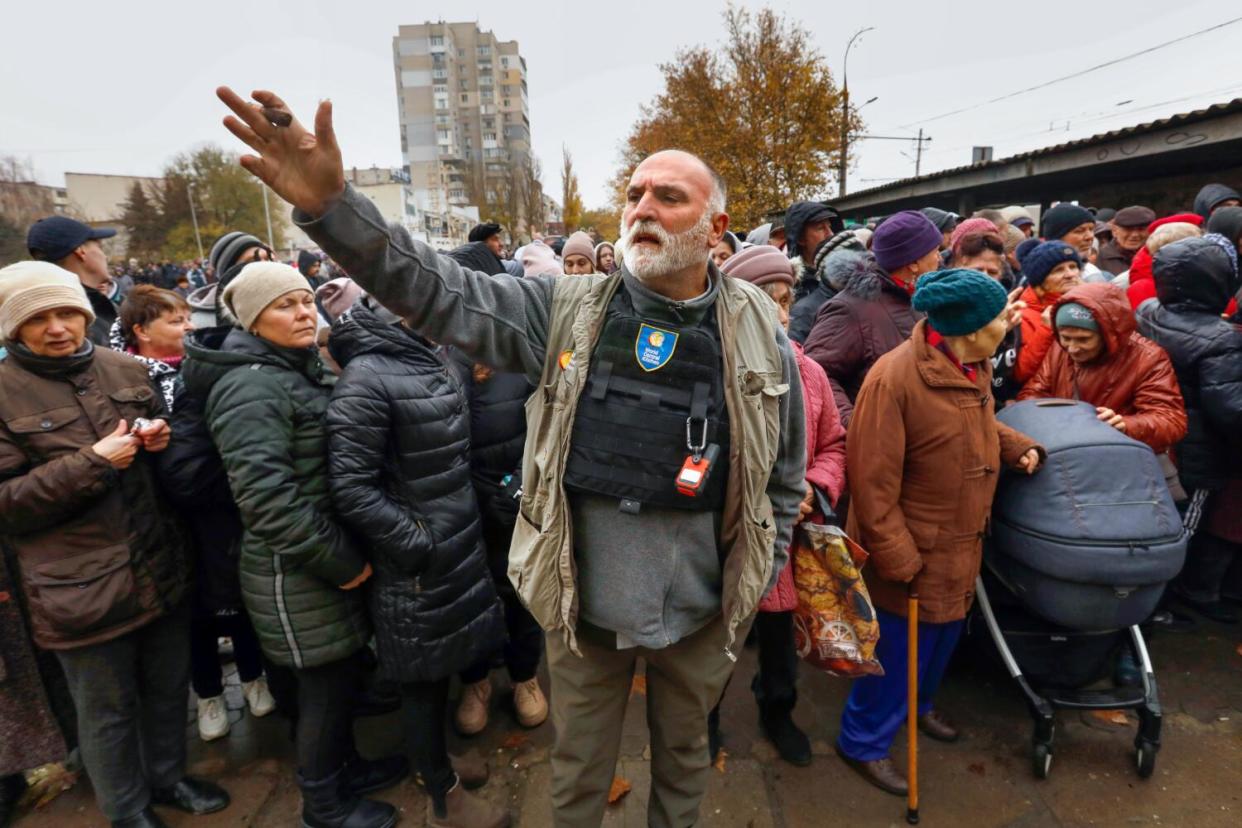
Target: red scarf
x=935 y=340
x=908 y=287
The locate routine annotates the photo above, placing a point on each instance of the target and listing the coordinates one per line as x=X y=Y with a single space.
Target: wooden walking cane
x=912 y=703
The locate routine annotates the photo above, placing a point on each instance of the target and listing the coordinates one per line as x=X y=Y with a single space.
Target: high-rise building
x=465 y=121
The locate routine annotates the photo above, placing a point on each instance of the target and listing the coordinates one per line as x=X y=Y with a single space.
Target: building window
x=465 y=98
x=507 y=102
x=461 y=52
x=489 y=136
x=484 y=51
x=440 y=89
x=437 y=40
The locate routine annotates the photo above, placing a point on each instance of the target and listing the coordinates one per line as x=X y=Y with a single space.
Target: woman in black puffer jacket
x=1195 y=279
x=398 y=452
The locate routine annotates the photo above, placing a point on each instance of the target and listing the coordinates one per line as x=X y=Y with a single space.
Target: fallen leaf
x=514 y=741
x=639 y=686
x=620 y=787
x=1116 y=717
x=721 y=756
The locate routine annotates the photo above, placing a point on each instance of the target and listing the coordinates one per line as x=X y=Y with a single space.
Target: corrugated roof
x=1213 y=111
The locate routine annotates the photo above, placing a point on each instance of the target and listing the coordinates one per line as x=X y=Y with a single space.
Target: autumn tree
x=571 y=199
x=762 y=109
x=22 y=202
x=603 y=223
x=145 y=226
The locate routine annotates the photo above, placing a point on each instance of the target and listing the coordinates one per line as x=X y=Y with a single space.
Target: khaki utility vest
x=541 y=560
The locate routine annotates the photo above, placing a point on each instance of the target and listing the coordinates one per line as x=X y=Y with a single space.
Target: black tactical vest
x=654 y=394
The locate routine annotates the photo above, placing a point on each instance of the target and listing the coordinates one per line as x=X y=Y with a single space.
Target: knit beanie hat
x=1024 y=248
x=845 y=240
x=538 y=259
x=228 y=248
x=28 y=288
x=1013 y=238
x=1040 y=261
x=943 y=219
x=258 y=285
x=338 y=296
x=306 y=260
x=579 y=244
x=1016 y=215
x=903 y=238
x=1063 y=218
x=1074 y=315
x=760 y=265
x=959 y=301
x=971 y=225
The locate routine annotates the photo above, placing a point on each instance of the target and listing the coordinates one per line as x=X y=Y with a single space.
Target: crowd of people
x=381 y=467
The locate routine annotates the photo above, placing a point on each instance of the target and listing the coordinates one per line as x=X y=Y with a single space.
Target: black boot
x=364 y=776
x=11 y=790
x=791 y=743
x=325 y=805
x=146 y=818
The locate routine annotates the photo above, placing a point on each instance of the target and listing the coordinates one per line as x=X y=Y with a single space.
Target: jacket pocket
x=85 y=593
x=133 y=401
x=50 y=433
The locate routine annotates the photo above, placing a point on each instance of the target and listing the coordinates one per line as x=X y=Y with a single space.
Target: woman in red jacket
x=774 y=685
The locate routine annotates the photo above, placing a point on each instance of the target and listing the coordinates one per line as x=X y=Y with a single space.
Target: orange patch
x=620 y=787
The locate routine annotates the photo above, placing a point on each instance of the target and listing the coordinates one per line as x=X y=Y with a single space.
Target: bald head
x=692 y=169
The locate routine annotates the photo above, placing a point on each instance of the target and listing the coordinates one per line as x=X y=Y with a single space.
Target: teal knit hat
x=1074 y=315
x=959 y=301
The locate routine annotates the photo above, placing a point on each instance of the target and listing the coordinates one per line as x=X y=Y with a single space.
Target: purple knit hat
x=760 y=265
x=903 y=238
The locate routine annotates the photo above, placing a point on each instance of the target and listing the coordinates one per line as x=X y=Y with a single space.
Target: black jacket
x=193 y=478
x=1210 y=196
x=1195 y=279
x=497 y=403
x=105 y=316
x=398 y=449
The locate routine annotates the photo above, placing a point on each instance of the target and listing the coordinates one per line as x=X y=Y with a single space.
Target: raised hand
x=304 y=169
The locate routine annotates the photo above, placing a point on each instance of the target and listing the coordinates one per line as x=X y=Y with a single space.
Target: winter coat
x=924 y=452
x=100 y=551
x=193 y=478
x=825 y=278
x=265 y=408
x=1113 y=259
x=398 y=449
x=871 y=317
x=1034 y=338
x=1195 y=279
x=29 y=733
x=106 y=312
x=796 y=218
x=825 y=462
x=1133 y=376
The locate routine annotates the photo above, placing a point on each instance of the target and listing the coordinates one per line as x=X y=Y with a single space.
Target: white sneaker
x=258 y=697
x=213 y=719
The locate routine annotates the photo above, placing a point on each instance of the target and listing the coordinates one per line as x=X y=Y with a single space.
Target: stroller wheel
x=1041 y=760
x=1145 y=759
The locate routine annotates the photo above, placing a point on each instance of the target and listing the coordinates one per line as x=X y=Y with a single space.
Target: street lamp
x=845 y=110
x=189 y=189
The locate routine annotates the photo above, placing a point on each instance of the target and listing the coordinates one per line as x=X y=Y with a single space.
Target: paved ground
x=985 y=780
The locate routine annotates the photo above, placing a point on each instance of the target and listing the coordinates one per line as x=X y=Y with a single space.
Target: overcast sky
x=122 y=87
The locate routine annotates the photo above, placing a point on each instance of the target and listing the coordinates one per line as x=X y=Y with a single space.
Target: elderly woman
x=102 y=558
x=266 y=394
x=924 y=451
x=151 y=328
x=775 y=683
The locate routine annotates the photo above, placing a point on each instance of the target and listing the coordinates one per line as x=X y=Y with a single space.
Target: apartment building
x=465 y=117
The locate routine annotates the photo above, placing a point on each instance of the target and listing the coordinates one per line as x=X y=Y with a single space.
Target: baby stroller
x=1078 y=555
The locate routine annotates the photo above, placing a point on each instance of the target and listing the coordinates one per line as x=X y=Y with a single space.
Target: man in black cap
x=489 y=234
x=1074 y=225
x=1129 y=231
x=75 y=247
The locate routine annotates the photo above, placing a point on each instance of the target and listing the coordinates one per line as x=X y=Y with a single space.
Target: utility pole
x=267 y=214
x=918 y=161
x=189 y=189
x=843 y=162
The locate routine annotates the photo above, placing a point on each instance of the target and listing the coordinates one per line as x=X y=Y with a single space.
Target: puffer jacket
x=265 y=408
x=871 y=317
x=825 y=463
x=101 y=553
x=1034 y=337
x=398 y=447
x=1195 y=279
x=1133 y=376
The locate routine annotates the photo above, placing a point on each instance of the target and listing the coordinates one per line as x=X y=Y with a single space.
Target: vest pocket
x=85 y=593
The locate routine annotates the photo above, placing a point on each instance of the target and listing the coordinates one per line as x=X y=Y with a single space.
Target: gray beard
x=677 y=251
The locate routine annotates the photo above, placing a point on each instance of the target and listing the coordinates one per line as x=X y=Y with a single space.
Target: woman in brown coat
x=102 y=560
x=924 y=451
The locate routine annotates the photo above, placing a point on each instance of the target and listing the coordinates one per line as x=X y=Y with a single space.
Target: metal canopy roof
x=1202 y=140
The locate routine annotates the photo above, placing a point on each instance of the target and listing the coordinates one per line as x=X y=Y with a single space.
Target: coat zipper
x=1093 y=543
x=281 y=612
